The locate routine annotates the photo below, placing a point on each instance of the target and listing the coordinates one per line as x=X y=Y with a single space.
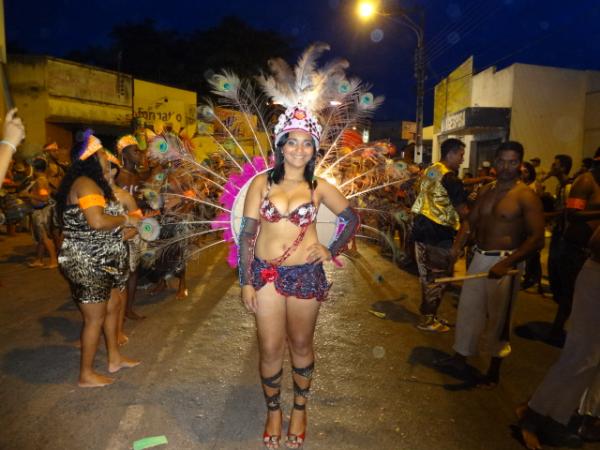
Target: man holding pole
x=507 y=221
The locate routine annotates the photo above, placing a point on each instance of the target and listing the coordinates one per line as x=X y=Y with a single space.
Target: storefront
x=57 y=98
x=549 y=110
x=482 y=130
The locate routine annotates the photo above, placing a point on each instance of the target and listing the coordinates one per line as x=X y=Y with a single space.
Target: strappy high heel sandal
x=273 y=404
x=300 y=392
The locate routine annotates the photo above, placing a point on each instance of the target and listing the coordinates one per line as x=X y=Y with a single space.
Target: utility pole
x=367 y=9
x=401 y=16
x=420 y=77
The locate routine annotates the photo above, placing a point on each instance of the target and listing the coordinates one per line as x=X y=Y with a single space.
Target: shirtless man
x=508 y=224
x=582 y=217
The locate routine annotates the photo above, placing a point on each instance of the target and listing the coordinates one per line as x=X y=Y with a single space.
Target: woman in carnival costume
x=93 y=257
x=280 y=257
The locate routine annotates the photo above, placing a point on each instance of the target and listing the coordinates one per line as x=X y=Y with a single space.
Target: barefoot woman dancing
x=93 y=257
x=281 y=264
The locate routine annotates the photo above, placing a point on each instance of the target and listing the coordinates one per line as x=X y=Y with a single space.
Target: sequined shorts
x=302 y=281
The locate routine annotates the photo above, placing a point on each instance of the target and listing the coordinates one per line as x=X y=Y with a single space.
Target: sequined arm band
x=247 y=238
x=348 y=222
x=576 y=203
x=137 y=213
x=89 y=201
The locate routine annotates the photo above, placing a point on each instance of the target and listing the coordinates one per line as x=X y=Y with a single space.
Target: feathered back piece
x=319 y=100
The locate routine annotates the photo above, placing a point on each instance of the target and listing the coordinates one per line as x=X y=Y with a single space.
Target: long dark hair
x=532 y=175
x=277 y=173
x=90 y=168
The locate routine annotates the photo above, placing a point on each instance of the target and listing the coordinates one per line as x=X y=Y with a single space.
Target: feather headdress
x=321 y=101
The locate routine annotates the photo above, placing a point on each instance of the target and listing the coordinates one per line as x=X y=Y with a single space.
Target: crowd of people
x=503 y=225
x=112 y=217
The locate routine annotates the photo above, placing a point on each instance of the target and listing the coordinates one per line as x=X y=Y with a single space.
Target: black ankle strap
x=299 y=407
x=273 y=401
x=305 y=372
x=300 y=392
x=274 y=381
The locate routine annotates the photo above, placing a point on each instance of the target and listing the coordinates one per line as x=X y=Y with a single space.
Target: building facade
x=56 y=98
x=549 y=110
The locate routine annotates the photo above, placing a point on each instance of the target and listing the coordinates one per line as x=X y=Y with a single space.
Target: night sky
x=496 y=32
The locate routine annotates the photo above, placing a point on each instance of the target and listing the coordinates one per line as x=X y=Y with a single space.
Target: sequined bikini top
x=303 y=215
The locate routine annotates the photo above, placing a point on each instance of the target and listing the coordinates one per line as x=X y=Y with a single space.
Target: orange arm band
x=88 y=201
x=189 y=194
x=43 y=192
x=137 y=213
x=576 y=203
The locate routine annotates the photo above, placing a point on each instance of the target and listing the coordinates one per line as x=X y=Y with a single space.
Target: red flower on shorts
x=268 y=274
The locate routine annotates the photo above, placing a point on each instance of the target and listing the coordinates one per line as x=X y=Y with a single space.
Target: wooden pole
x=472 y=276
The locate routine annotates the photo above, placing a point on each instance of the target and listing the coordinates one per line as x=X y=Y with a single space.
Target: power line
x=528 y=45
x=462 y=32
x=446 y=28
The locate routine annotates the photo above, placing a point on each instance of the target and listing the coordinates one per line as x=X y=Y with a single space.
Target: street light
x=368 y=9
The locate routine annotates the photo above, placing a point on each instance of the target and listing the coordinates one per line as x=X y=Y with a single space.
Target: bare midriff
x=275 y=238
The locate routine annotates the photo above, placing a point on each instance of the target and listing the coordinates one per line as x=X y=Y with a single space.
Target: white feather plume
x=305 y=69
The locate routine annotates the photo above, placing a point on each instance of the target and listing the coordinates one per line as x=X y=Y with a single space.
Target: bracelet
x=10 y=144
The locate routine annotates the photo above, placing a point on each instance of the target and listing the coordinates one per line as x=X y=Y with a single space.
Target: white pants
x=590 y=402
x=578 y=366
x=485 y=310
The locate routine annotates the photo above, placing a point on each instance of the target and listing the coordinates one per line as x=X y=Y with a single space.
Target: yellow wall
x=591 y=136
x=67 y=95
x=27 y=84
x=453 y=93
x=428 y=133
x=55 y=97
x=175 y=107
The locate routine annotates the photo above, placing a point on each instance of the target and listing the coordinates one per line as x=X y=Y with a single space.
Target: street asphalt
x=375 y=384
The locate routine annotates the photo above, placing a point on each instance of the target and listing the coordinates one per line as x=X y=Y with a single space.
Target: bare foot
x=51 y=266
x=531 y=440
x=34 y=264
x=520 y=410
x=122 y=339
x=158 y=287
x=94 y=380
x=124 y=362
x=132 y=315
x=181 y=294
